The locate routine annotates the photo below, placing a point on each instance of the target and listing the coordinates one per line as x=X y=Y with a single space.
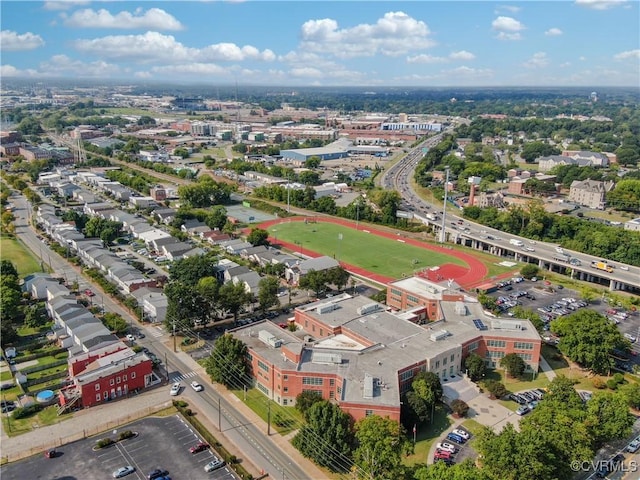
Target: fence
x=54 y=442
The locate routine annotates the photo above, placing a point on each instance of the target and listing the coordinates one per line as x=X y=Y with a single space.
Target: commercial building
x=363 y=356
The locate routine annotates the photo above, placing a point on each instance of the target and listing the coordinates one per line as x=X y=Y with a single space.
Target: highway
x=247 y=436
x=495 y=241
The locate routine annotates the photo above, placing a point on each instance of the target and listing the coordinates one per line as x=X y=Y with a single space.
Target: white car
x=633 y=446
x=447 y=447
x=196 y=386
x=462 y=433
x=131 y=338
x=175 y=389
x=630 y=337
x=214 y=465
x=624 y=267
x=123 y=471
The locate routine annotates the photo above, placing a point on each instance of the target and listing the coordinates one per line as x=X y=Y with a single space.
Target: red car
x=199 y=447
x=441 y=454
x=89 y=293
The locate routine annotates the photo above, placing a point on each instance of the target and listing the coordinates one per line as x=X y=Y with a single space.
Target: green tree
x=115 y=323
x=513 y=364
x=588 y=338
x=338 y=276
x=496 y=389
x=327 y=437
x=233 y=297
x=268 y=293
x=631 y=392
x=191 y=269
x=380 y=445
x=306 y=399
x=258 y=236
x=217 y=217
x=459 y=407
x=185 y=306
x=464 y=470
x=228 y=363
x=608 y=417
x=529 y=271
x=475 y=366
x=314 y=280
x=312 y=162
x=34 y=316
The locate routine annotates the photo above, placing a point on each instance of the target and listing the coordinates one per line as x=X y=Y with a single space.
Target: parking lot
x=162 y=442
x=553 y=304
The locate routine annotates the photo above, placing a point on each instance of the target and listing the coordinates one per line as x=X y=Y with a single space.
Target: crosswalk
x=157 y=332
x=182 y=376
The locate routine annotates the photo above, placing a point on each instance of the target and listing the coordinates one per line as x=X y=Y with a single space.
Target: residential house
x=294 y=273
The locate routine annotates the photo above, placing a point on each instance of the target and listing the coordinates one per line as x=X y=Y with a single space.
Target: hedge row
x=38 y=368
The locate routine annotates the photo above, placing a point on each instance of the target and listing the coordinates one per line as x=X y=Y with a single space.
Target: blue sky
x=325 y=43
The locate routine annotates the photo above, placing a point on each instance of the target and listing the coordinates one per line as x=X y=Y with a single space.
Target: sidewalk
x=283 y=443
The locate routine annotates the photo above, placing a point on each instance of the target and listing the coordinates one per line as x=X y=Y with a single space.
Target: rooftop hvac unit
x=368 y=308
x=460 y=308
x=368 y=386
x=269 y=339
x=442 y=334
x=326 y=308
x=327 y=358
x=507 y=325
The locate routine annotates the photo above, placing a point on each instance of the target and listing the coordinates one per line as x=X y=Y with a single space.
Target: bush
x=495 y=388
x=618 y=378
x=126 y=434
x=459 y=407
x=612 y=384
x=26 y=411
x=104 y=442
x=180 y=403
x=598 y=383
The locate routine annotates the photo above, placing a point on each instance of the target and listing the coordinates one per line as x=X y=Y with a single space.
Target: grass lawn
x=48 y=416
x=426 y=435
x=283 y=419
x=11 y=249
x=398 y=259
x=6 y=375
x=215 y=152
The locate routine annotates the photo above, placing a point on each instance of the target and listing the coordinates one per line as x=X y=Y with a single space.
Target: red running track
x=475 y=272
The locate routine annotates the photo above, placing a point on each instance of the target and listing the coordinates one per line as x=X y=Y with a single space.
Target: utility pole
x=288 y=194
x=219 y=416
x=269 y=417
x=443 y=235
x=174 y=336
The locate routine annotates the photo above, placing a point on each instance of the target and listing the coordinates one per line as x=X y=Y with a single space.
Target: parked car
x=131 y=338
x=464 y=434
x=89 y=293
x=199 y=447
x=523 y=410
x=175 y=389
x=196 y=386
x=456 y=438
x=630 y=337
x=633 y=446
x=214 y=464
x=441 y=454
x=123 y=471
x=157 y=473
x=447 y=447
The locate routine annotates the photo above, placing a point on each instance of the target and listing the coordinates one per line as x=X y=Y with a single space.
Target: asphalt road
x=248 y=438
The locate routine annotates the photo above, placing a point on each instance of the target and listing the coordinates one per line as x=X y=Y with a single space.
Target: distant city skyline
x=589 y=43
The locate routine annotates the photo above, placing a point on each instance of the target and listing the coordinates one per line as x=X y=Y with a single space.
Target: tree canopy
x=228 y=363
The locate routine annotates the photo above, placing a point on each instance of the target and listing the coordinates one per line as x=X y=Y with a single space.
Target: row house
x=294 y=273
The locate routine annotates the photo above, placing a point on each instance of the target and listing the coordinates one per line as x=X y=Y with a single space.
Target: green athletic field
x=373 y=253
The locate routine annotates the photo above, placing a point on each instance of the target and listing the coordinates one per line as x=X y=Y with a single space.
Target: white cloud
x=64 y=4
x=553 y=32
x=538 y=60
x=11 y=71
x=424 y=58
x=507 y=8
x=462 y=55
x=11 y=41
x=395 y=34
x=154 y=18
x=61 y=65
x=600 y=4
x=629 y=54
x=153 y=47
x=306 y=72
x=191 y=69
x=508 y=28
